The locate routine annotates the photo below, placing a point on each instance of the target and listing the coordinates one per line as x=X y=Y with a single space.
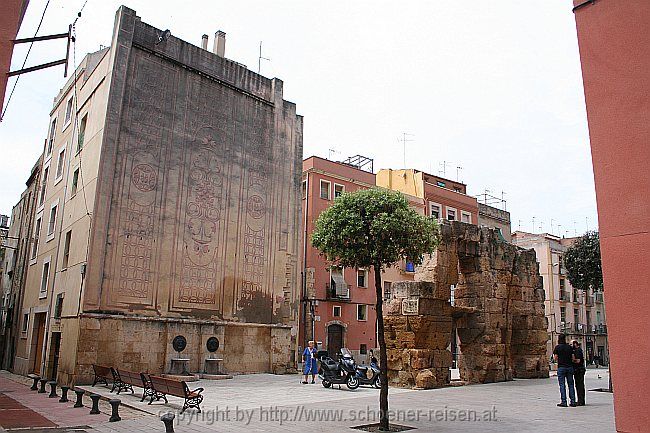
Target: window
x=37 y=233
x=465 y=217
x=75 y=181
x=451 y=214
x=25 y=324
x=45 y=276
x=304 y=189
x=362 y=311
x=68 y=113
x=562 y=284
x=456 y=189
x=66 y=248
x=563 y=314
x=51 y=136
x=387 y=289
x=435 y=209
x=338 y=190
x=336 y=311
x=60 y=164
x=440 y=183
x=324 y=190
x=338 y=285
x=52 y=223
x=363 y=349
x=58 y=307
x=362 y=278
x=598 y=321
x=41 y=199
x=82 y=132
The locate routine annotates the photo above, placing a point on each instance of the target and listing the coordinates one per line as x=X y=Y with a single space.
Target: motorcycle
x=362 y=375
x=338 y=372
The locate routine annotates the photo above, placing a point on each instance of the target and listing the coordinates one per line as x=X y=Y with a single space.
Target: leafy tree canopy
x=373 y=227
x=582 y=261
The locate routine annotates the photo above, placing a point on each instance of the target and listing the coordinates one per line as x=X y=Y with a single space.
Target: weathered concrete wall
x=196 y=213
x=498 y=312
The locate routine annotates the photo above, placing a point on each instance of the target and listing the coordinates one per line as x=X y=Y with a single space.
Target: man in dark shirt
x=563 y=355
x=579 y=370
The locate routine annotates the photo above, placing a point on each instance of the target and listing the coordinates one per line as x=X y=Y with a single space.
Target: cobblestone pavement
x=260 y=403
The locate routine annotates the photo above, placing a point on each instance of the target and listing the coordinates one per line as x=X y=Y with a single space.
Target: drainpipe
x=304 y=267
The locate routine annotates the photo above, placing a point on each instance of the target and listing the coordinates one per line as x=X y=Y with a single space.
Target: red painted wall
x=11 y=15
x=614 y=41
x=357 y=332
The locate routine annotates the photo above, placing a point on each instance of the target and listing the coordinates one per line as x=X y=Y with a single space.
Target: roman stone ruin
x=497 y=312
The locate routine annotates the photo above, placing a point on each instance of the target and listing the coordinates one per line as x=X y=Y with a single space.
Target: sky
x=494 y=87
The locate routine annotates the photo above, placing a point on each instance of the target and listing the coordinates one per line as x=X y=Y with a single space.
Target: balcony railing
x=340 y=294
x=580 y=328
x=565 y=327
x=599 y=297
x=565 y=296
x=602 y=329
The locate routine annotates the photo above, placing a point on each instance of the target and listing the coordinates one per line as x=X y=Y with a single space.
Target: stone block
x=426 y=379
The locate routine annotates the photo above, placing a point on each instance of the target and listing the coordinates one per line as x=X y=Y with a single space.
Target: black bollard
x=64 y=394
x=41 y=390
x=35 y=385
x=115 y=404
x=168 y=419
x=95 y=408
x=52 y=389
x=80 y=397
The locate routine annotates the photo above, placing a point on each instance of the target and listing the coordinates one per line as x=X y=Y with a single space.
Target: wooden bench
x=126 y=380
x=177 y=388
x=148 y=389
x=102 y=374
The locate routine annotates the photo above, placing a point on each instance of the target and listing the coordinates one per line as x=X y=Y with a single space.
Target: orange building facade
x=614 y=42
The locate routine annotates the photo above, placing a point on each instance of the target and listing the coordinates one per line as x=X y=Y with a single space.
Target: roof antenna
x=259 y=60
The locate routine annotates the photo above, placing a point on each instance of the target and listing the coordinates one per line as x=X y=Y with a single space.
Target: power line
x=25 y=61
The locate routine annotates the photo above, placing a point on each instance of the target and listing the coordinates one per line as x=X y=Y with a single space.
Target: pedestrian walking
x=309 y=362
x=563 y=355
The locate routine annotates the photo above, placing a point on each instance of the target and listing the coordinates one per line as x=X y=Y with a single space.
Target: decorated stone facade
x=497 y=312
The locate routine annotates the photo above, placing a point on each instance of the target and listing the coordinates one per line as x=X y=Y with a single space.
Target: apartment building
x=338 y=305
x=570 y=311
x=13 y=322
x=167 y=204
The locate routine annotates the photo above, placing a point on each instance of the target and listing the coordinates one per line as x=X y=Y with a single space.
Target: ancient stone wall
x=497 y=310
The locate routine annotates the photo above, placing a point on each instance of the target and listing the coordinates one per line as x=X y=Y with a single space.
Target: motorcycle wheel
x=326 y=384
x=352 y=383
x=377 y=383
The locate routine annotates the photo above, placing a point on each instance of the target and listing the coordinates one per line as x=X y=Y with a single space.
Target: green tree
x=374 y=229
x=582 y=261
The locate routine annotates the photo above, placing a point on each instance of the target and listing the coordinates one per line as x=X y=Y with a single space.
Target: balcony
x=602 y=329
x=577 y=296
x=579 y=328
x=336 y=292
x=599 y=297
x=565 y=296
x=589 y=301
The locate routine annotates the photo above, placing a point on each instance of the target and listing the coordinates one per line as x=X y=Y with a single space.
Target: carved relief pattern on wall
x=142 y=158
x=203 y=218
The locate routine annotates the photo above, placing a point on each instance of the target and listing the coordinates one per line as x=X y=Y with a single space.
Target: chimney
x=204 y=42
x=219 y=43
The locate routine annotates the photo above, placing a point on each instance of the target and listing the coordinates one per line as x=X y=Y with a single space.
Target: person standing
x=579 y=370
x=309 y=362
x=563 y=355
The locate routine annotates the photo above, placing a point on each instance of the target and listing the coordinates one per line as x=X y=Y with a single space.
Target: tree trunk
x=383 y=358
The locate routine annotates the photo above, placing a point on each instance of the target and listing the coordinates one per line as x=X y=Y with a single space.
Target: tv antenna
x=404 y=139
x=260 y=58
x=330 y=152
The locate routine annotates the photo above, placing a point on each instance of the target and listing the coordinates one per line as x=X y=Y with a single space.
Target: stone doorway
x=334 y=339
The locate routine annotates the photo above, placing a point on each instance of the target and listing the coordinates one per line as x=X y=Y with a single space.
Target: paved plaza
x=263 y=402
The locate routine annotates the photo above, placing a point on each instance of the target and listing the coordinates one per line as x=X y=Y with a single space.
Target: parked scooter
x=372 y=370
x=343 y=371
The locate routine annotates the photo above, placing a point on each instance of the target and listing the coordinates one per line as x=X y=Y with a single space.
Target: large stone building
x=570 y=311
x=168 y=205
